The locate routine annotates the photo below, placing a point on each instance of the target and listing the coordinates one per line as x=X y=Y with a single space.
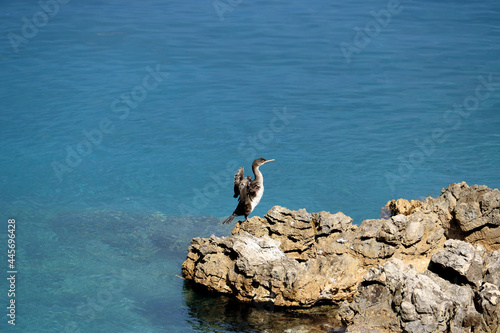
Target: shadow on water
x=211 y=312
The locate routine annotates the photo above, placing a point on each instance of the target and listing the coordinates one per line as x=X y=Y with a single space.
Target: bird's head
x=260 y=161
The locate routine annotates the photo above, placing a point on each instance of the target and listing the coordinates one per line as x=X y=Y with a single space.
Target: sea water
x=123 y=123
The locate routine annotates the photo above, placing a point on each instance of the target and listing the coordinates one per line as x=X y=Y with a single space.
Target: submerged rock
x=432 y=267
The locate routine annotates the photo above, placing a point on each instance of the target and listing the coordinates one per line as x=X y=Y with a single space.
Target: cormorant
x=250 y=191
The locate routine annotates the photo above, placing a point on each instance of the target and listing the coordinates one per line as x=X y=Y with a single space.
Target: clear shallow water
x=269 y=80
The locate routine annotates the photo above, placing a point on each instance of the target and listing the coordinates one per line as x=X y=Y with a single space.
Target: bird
x=249 y=191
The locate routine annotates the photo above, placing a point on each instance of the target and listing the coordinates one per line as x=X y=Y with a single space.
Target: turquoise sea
x=123 y=123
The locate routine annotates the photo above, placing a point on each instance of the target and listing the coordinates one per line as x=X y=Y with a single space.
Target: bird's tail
x=229 y=219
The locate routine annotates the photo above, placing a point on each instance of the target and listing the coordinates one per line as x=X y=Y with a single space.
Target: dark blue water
x=123 y=123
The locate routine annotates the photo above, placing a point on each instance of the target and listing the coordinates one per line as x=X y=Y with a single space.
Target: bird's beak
x=269 y=160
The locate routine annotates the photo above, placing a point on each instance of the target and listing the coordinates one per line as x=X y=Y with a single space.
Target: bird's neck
x=258 y=174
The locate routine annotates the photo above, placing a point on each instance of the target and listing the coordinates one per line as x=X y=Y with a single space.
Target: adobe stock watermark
x=222 y=7
x=453 y=119
x=120 y=109
x=249 y=148
x=31 y=26
x=363 y=36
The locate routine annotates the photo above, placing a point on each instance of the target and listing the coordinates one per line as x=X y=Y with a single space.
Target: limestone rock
x=327 y=223
x=488 y=236
x=460 y=261
x=491 y=268
x=256 y=270
x=420 y=270
x=400 y=236
x=443 y=206
x=489 y=301
x=369 y=228
x=390 y=232
x=402 y=206
x=470 y=213
x=395 y=298
x=372 y=249
x=298 y=231
x=293 y=229
x=262 y=256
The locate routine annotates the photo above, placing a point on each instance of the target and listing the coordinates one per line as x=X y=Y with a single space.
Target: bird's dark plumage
x=249 y=191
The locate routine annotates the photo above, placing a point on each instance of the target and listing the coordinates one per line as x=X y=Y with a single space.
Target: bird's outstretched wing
x=238 y=178
x=244 y=186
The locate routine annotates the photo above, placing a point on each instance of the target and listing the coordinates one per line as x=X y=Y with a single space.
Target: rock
x=422 y=234
x=400 y=236
x=413 y=233
x=369 y=228
x=488 y=236
x=395 y=298
x=443 y=206
x=372 y=249
x=284 y=258
x=402 y=206
x=491 y=268
x=256 y=270
x=420 y=270
x=476 y=207
x=459 y=261
x=468 y=213
x=298 y=231
x=370 y=310
x=389 y=232
x=408 y=311
x=327 y=223
x=293 y=229
x=489 y=301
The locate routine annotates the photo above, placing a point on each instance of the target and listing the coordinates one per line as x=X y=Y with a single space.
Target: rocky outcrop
x=449 y=298
x=398 y=298
x=256 y=270
x=303 y=235
x=434 y=266
x=470 y=213
x=460 y=262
